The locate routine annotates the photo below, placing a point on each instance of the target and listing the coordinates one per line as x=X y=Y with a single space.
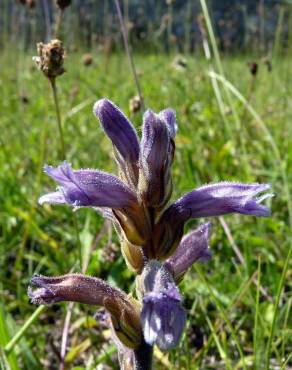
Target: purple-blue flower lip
x=226 y=197
x=118 y=128
x=87 y=188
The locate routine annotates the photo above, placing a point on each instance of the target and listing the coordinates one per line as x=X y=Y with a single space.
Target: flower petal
x=223 y=198
x=53 y=198
x=124 y=312
x=88 y=188
x=118 y=128
x=163 y=318
x=72 y=287
x=169 y=116
x=193 y=247
x=155 y=160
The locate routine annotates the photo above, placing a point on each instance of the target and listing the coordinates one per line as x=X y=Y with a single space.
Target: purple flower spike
x=118 y=128
x=169 y=116
x=223 y=198
x=155 y=158
x=87 y=188
x=193 y=247
x=163 y=318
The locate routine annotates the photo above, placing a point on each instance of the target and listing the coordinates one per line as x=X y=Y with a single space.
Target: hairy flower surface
x=84 y=188
x=150 y=230
x=84 y=289
x=207 y=201
x=123 y=137
x=225 y=197
x=155 y=159
x=193 y=247
x=163 y=318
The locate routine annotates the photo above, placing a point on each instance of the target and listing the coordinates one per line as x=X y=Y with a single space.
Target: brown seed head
x=87 y=59
x=135 y=104
x=253 y=68
x=50 y=58
x=29 y=3
x=62 y=4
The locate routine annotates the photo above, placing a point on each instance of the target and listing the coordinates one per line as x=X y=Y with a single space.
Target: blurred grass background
x=230 y=304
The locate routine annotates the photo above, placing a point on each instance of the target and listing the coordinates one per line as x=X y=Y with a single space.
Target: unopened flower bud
x=123 y=136
x=156 y=157
x=124 y=310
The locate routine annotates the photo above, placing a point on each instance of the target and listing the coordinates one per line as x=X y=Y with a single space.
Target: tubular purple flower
x=88 y=290
x=223 y=198
x=118 y=128
x=155 y=159
x=88 y=188
x=206 y=201
x=72 y=287
x=193 y=247
x=163 y=318
x=168 y=231
x=169 y=116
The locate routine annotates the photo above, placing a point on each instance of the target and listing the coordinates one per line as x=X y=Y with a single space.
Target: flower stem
x=63 y=156
x=65 y=335
x=143 y=357
x=57 y=108
x=129 y=54
x=8 y=348
x=58 y=23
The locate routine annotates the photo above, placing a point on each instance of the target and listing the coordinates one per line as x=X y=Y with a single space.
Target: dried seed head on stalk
x=50 y=59
x=87 y=59
x=29 y=3
x=135 y=104
x=62 y=4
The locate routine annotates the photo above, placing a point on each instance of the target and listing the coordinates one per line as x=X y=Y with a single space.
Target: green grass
x=229 y=318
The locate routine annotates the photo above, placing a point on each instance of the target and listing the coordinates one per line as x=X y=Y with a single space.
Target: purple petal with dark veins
x=163 y=318
x=223 y=198
x=169 y=116
x=193 y=247
x=87 y=188
x=118 y=128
